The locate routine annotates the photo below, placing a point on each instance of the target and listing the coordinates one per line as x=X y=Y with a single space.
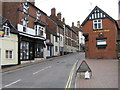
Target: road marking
x=42 y=70
x=68 y=85
x=12 y=83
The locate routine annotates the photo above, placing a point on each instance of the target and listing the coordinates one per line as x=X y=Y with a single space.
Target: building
x=119 y=9
x=30 y=21
x=118 y=40
x=80 y=38
x=100 y=32
x=59 y=30
x=70 y=40
x=8 y=43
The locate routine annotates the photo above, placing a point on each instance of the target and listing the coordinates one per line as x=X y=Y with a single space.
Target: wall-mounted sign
x=102 y=31
x=1 y=34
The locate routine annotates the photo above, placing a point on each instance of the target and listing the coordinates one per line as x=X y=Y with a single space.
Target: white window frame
x=97 y=23
x=38 y=14
x=38 y=30
x=25 y=23
x=6 y=30
x=9 y=55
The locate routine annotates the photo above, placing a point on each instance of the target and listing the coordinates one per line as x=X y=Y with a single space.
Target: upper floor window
x=39 y=30
x=56 y=40
x=38 y=14
x=97 y=24
x=25 y=24
x=25 y=7
x=6 y=30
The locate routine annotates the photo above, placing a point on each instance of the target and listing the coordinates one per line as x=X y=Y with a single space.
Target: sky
x=77 y=10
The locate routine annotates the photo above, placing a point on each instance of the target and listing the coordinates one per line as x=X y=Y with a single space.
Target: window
x=97 y=24
x=56 y=48
x=25 y=24
x=56 y=39
x=61 y=38
x=25 y=7
x=101 y=43
x=6 y=30
x=48 y=47
x=39 y=30
x=24 y=50
x=9 y=54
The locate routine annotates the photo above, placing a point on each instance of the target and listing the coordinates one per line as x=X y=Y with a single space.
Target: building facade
x=100 y=32
x=8 y=43
x=30 y=21
x=119 y=9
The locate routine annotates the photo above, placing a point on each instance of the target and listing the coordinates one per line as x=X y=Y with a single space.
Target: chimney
x=72 y=24
x=31 y=1
x=53 y=12
x=78 y=24
x=59 y=16
x=63 y=20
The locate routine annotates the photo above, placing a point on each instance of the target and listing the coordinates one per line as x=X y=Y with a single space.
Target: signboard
x=1 y=34
x=102 y=31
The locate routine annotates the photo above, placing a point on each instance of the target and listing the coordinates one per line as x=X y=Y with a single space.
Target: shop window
x=6 y=30
x=9 y=54
x=97 y=24
x=101 y=43
x=39 y=51
x=24 y=50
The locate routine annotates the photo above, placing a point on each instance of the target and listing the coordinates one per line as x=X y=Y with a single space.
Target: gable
x=97 y=13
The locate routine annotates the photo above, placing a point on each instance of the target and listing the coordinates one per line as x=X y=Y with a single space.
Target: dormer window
x=38 y=15
x=39 y=30
x=25 y=23
x=25 y=7
x=6 y=30
x=97 y=24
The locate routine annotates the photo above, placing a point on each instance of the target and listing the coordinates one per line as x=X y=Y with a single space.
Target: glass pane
x=99 y=26
x=6 y=53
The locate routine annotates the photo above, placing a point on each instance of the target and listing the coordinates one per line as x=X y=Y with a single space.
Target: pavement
x=104 y=75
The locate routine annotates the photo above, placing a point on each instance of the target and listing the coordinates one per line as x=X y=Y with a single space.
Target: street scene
x=44 y=48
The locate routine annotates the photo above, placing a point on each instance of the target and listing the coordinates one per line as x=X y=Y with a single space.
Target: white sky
x=77 y=10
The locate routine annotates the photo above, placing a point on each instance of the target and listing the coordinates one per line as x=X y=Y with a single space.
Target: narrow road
x=48 y=74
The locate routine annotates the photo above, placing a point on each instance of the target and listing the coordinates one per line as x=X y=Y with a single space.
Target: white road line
x=12 y=83
x=42 y=70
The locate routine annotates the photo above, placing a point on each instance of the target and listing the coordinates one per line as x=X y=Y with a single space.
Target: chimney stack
x=72 y=24
x=78 y=24
x=63 y=20
x=53 y=12
x=59 y=15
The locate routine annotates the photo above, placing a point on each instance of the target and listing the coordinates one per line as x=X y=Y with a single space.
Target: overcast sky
x=78 y=10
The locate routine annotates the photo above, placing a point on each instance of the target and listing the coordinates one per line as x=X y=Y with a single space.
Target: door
x=50 y=51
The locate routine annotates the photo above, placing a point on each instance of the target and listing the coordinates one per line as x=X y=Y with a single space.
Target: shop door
x=50 y=51
x=31 y=52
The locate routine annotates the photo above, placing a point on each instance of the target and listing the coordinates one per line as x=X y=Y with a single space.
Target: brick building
x=100 y=32
x=119 y=9
x=30 y=21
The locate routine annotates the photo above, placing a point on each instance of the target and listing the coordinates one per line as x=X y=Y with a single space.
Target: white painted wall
x=9 y=43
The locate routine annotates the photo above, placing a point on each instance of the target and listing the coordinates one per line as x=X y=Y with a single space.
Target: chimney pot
x=59 y=15
x=53 y=12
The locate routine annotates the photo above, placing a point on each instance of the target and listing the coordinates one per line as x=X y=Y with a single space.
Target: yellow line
x=68 y=85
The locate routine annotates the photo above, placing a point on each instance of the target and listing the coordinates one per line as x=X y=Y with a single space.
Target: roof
x=97 y=13
x=51 y=31
x=3 y=21
x=70 y=28
x=57 y=21
x=118 y=23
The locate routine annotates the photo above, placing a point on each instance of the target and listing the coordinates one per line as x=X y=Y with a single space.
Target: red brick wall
x=92 y=51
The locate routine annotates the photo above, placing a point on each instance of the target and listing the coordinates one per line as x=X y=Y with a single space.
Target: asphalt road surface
x=48 y=74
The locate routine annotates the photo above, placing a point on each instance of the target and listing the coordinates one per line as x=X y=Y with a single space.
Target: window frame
x=8 y=56
x=97 y=23
x=6 y=30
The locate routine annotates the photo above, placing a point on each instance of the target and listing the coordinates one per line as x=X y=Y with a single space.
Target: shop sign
x=102 y=31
